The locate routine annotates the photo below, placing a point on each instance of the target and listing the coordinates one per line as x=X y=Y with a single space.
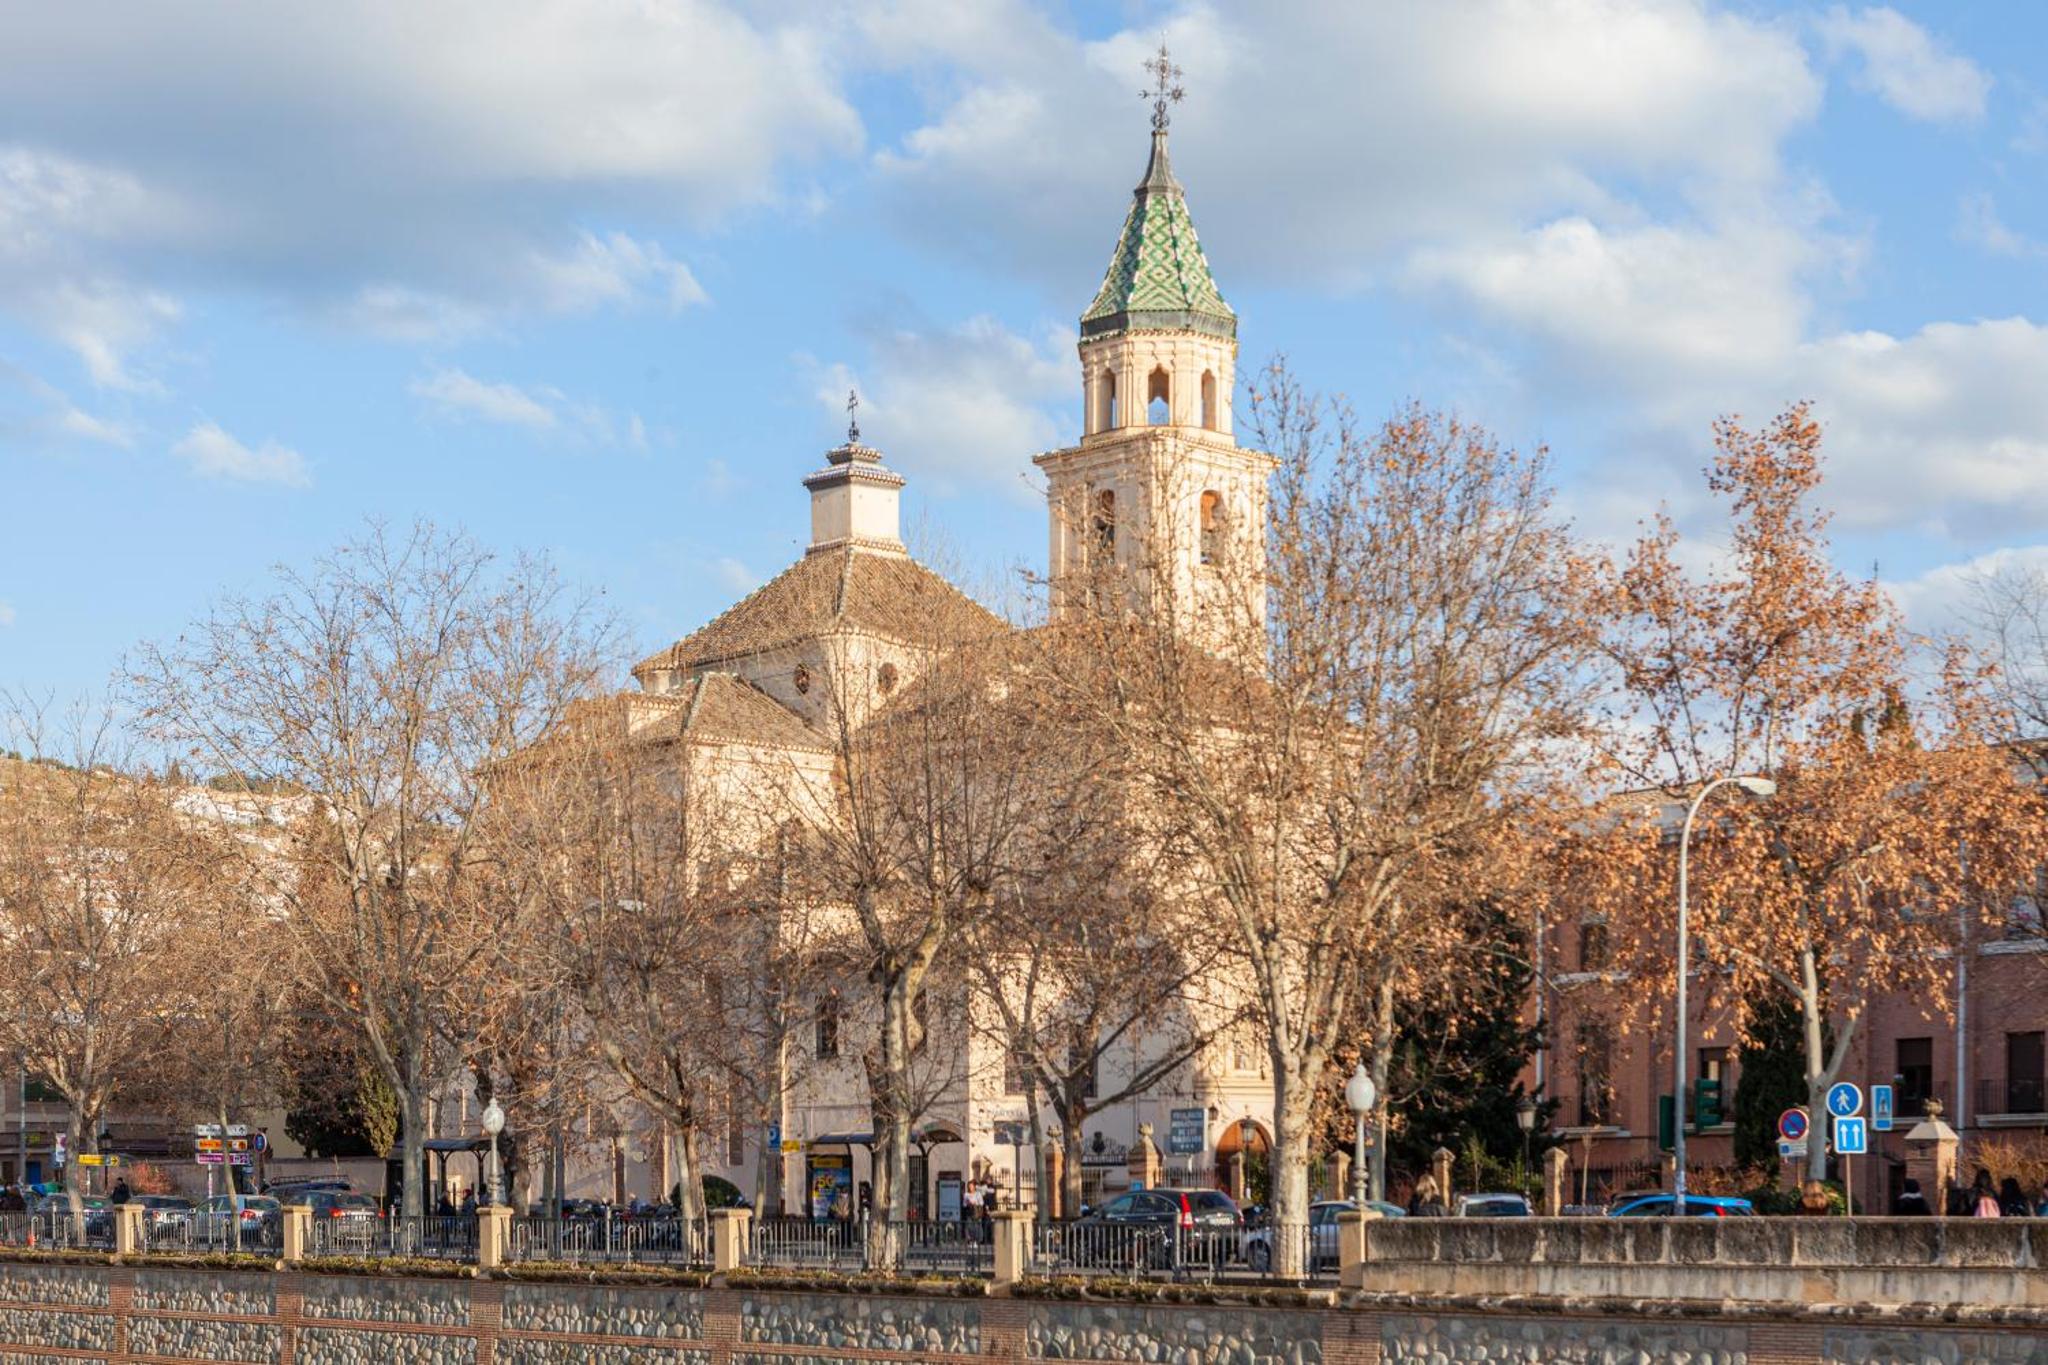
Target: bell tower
x=1158 y=492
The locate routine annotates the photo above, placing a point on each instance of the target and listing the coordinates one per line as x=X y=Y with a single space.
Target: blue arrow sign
x=1851 y=1137
x=1844 y=1100
x=1881 y=1108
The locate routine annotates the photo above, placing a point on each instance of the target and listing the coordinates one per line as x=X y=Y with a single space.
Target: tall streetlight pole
x=1359 y=1095
x=494 y=1124
x=1755 y=786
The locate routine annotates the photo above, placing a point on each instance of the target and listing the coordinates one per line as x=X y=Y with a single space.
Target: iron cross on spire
x=852 y=417
x=1166 y=86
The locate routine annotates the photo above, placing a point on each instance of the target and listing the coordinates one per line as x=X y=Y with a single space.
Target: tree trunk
x=1382 y=1067
x=412 y=1152
x=891 y=1151
x=1293 y=1097
x=1039 y=1194
x=689 y=1176
x=1070 y=1163
x=74 y=1127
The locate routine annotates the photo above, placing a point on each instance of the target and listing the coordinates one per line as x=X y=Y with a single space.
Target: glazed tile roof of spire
x=1158 y=276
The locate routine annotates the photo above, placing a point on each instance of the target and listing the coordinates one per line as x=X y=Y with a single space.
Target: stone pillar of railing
x=297 y=1231
x=1351 y=1250
x=1442 y=1161
x=730 y=1229
x=128 y=1229
x=493 y=1236
x=1013 y=1244
x=1556 y=1171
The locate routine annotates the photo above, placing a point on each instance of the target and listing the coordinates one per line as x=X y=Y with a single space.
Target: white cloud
x=958 y=405
x=734 y=576
x=212 y=453
x=419 y=171
x=1904 y=65
x=6 y=614
x=543 y=409
x=1937 y=599
x=43 y=413
x=1318 y=141
x=616 y=270
x=456 y=394
x=1978 y=225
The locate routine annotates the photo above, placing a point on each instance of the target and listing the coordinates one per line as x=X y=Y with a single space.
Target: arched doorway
x=1244 y=1161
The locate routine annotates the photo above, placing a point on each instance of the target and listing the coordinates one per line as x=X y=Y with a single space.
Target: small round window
x=885 y=678
x=803 y=679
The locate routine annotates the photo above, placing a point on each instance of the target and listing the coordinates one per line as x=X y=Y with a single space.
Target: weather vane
x=852 y=417
x=1166 y=89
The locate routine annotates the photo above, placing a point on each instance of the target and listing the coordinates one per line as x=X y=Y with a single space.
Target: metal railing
x=803 y=1243
x=176 y=1231
x=1141 y=1251
x=654 y=1241
x=57 y=1230
x=2024 y=1095
x=449 y=1237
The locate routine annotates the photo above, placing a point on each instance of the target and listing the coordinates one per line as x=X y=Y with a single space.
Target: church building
x=1155 y=464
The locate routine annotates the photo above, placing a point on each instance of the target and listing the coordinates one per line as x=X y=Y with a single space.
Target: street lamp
x=494 y=1124
x=1525 y=1119
x=1755 y=786
x=1359 y=1096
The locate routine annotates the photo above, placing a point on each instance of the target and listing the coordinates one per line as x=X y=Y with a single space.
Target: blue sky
x=593 y=277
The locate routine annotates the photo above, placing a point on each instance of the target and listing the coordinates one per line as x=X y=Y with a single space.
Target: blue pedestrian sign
x=1851 y=1137
x=1881 y=1108
x=1844 y=1100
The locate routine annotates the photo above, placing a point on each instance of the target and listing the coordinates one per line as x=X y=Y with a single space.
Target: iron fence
x=655 y=1241
x=1144 y=1251
x=803 y=1243
x=92 y=1228
x=450 y=1237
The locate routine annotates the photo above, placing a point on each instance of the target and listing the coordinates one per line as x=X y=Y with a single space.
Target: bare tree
x=1326 y=731
x=96 y=869
x=388 y=684
x=2007 y=612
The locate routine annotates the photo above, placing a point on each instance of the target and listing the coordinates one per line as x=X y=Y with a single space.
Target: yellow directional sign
x=792 y=1144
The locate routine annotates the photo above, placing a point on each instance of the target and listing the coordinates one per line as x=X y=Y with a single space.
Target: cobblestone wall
x=112 y=1315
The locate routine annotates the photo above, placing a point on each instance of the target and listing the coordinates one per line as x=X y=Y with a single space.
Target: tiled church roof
x=720 y=707
x=847 y=588
x=1158 y=276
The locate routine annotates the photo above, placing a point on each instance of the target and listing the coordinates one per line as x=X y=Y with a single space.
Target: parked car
x=261 y=1218
x=349 y=1222
x=168 y=1214
x=99 y=1219
x=1158 y=1228
x=1696 y=1206
x=1322 y=1237
x=1491 y=1206
x=1385 y=1209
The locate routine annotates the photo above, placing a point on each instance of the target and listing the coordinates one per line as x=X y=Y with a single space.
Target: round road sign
x=1844 y=1099
x=1792 y=1125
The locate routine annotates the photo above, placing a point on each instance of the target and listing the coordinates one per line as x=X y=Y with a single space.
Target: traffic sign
x=775 y=1137
x=1852 y=1137
x=792 y=1144
x=1792 y=1125
x=1881 y=1108
x=1792 y=1151
x=259 y=1142
x=1844 y=1100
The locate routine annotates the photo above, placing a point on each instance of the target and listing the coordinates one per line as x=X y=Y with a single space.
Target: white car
x=1491 y=1206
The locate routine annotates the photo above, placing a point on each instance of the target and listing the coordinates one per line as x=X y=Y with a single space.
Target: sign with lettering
x=1187 y=1133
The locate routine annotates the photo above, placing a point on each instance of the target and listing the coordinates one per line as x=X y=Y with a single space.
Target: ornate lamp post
x=1755 y=786
x=1359 y=1097
x=494 y=1124
x=1525 y=1119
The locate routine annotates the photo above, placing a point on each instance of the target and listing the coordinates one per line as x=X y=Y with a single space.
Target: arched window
x=1105 y=521
x=1159 y=398
x=1105 y=401
x=1209 y=399
x=1212 y=526
x=885 y=678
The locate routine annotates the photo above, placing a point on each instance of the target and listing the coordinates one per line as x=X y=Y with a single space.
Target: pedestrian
x=989 y=1197
x=2012 y=1200
x=1911 y=1203
x=1983 y=1197
x=469 y=1203
x=2041 y=1204
x=1426 y=1201
x=444 y=1207
x=970 y=1205
x=1813 y=1200
x=119 y=1195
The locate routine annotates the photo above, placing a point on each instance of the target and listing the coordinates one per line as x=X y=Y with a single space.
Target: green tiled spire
x=1158 y=276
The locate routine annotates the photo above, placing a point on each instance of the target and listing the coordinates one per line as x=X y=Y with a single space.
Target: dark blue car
x=1696 y=1206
